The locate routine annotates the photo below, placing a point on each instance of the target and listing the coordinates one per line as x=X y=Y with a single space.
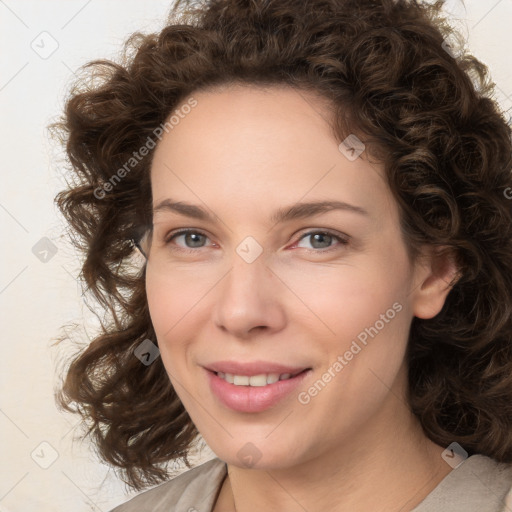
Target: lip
x=253 y=368
x=252 y=399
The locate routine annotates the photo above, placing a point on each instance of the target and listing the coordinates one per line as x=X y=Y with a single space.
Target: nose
x=249 y=299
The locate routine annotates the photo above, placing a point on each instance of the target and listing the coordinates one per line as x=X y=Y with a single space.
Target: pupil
x=321 y=235
x=197 y=242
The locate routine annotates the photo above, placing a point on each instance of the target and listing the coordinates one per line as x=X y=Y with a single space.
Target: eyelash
x=171 y=236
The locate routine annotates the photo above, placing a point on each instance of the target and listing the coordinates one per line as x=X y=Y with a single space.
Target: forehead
x=261 y=145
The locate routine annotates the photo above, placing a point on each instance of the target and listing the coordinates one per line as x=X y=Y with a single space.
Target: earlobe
x=437 y=274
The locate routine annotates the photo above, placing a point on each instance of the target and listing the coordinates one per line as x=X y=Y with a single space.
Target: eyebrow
x=296 y=211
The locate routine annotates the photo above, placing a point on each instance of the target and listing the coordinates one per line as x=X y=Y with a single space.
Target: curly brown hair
x=386 y=70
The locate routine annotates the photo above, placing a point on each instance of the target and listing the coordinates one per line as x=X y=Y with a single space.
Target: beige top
x=479 y=484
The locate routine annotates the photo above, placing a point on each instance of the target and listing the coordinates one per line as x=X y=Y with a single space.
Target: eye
x=190 y=236
x=322 y=239
x=194 y=239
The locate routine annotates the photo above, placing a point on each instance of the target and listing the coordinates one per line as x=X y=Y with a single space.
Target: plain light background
x=43 y=43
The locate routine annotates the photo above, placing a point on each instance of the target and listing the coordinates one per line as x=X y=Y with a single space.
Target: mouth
x=259 y=380
x=254 y=393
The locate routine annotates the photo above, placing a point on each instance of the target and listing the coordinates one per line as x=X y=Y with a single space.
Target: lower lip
x=253 y=398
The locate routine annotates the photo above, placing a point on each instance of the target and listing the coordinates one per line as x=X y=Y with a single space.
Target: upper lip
x=253 y=368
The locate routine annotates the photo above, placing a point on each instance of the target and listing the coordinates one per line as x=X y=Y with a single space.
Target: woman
x=319 y=193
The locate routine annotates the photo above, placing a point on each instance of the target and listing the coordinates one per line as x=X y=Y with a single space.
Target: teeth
x=240 y=380
x=255 y=380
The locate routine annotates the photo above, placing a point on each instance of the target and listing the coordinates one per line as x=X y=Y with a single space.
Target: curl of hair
x=427 y=115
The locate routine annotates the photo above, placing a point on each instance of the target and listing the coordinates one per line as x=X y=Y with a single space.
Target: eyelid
x=341 y=237
x=173 y=234
x=182 y=231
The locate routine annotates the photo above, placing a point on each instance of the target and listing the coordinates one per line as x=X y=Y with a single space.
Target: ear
x=436 y=274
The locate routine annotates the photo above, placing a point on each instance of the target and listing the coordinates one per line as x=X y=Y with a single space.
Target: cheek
x=174 y=298
x=163 y=305
x=178 y=307
x=170 y=306
x=342 y=301
x=360 y=315
x=361 y=353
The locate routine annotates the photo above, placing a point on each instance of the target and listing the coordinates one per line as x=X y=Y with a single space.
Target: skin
x=243 y=152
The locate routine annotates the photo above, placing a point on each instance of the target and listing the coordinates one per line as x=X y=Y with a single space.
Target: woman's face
x=325 y=289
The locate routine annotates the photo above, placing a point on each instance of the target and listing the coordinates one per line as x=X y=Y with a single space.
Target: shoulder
x=194 y=490
x=479 y=483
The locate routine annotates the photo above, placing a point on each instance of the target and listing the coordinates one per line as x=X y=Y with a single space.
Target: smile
x=255 y=380
x=255 y=393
